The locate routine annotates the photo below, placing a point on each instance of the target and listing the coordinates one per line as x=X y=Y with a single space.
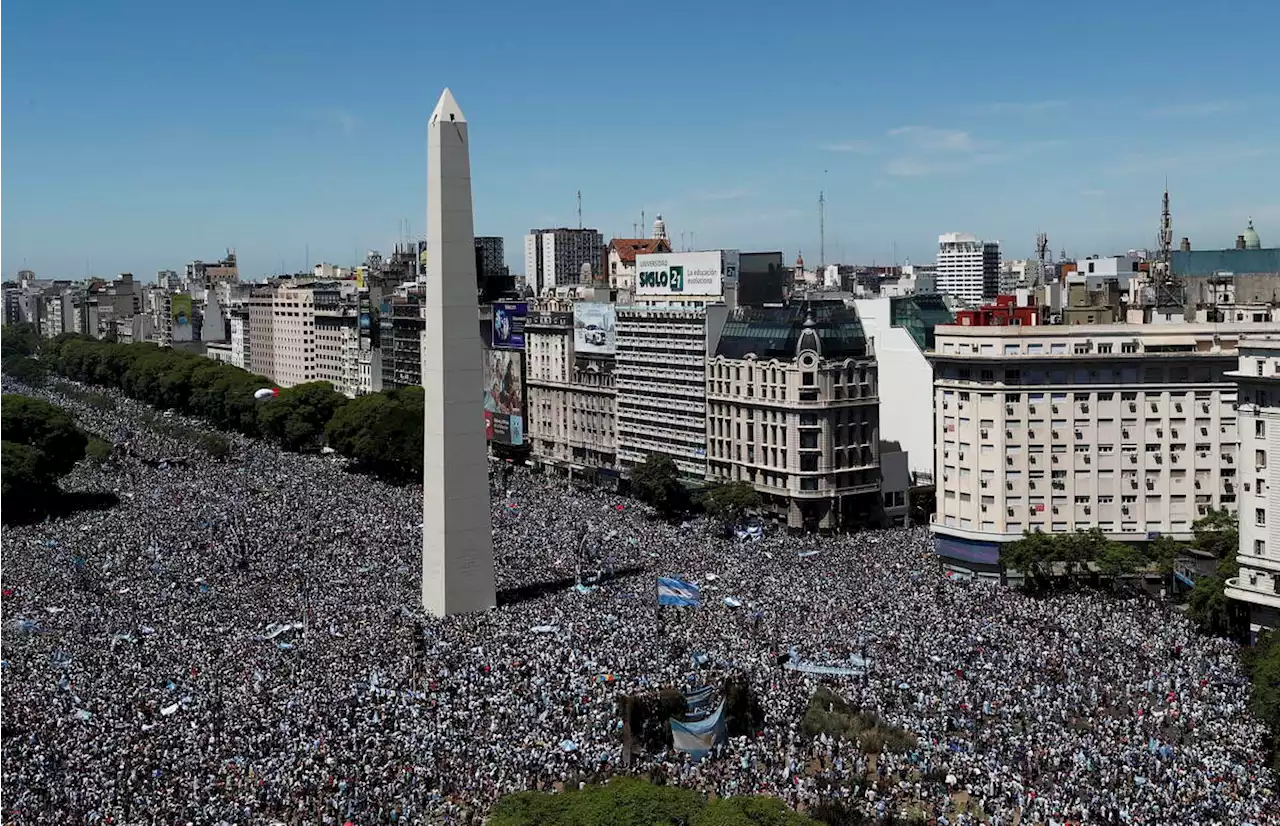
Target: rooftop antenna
x=579 y=209
x=822 y=230
x=642 y=223
x=683 y=248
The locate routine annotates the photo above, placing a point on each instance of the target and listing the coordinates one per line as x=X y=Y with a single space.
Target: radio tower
x=822 y=231
x=1042 y=253
x=1168 y=289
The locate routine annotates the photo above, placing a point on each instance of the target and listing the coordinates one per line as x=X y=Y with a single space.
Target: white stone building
x=1258 y=382
x=1126 y=428
x=968 y=268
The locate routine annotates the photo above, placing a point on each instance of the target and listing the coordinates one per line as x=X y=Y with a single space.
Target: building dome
x=1251 y=239
x=800 y=261
x=659 y=227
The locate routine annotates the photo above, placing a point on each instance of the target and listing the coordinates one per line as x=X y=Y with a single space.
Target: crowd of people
x=241 y=642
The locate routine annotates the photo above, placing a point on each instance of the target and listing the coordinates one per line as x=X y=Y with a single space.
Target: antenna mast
x=1168 y=289
x=579 y=209
x=822 y=230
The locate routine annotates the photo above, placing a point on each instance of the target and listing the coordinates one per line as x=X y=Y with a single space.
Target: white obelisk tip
x=447 y=109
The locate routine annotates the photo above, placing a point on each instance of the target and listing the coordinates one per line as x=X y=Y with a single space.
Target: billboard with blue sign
x=508 y=325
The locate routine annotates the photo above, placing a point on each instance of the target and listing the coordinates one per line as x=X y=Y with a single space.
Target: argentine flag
x=673 y=591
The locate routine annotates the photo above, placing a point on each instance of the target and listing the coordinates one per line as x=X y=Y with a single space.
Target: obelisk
x=457 y=543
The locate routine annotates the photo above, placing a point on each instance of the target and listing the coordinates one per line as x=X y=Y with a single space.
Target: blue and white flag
x=672 y=591
x=698 y=738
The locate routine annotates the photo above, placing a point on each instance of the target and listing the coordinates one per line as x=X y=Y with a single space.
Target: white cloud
x=851 y=147
x=935 y=140
x=1200 y=109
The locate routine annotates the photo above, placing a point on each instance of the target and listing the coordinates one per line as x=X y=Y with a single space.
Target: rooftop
x=774 y=332
x=629 y=248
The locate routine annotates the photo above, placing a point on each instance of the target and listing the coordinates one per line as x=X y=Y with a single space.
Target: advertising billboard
x=508 y=325
x=685 y=273
x=504 y=397
x=595 y=328
x=180 y=316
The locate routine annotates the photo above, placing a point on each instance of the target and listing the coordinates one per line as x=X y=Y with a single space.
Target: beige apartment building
x=1126 y=428
x=570 y=421
x=282 y=334
x=337 y=336
x=793 y=408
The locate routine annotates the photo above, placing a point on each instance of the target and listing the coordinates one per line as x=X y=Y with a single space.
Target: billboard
x=504 y=397
x=508 y=325
x=180 y=316
x=595 y=328
x=685 y=273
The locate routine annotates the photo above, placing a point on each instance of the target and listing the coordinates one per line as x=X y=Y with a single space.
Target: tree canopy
x=630 y=802
x=656 y=482
x=296 y=419
x=1041 y=557
x=382 y=432
x=731 y=501
x=41 y=443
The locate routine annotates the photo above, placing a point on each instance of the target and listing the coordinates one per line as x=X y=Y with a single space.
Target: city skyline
x=277 y=139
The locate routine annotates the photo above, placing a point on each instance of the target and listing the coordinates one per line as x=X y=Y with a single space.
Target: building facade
x=901 y=331
x=792 y=408
x=1127 y=428
x=555 y=257
x=1258 y=392
x=571 y=398
x=401 y=326
x=661 y=375
x=968 y=268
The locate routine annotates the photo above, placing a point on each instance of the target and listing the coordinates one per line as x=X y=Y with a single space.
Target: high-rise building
x=661 y=377
x=1257 y=380
x=555 y=257
x=968 y=269
x=457 y=539
x=337 y=336
x=792 y=408
x=493 y=277
x=293 y=336
x=400 y=326
x=260 y=349
x=1127 y=428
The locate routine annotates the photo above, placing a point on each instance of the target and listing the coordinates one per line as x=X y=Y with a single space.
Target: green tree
x=731 y=501
x=25 y=369
x=296 y=418
x=924 y=503
x=656 y=482
x=213 y=444
x=1209 y=606
x=21 y=339
x=382 y=433
x=630 y=802
x=1262 y=664
x=1033 y=555
x=1217 y=533
x=40 y=444
x=98 y=451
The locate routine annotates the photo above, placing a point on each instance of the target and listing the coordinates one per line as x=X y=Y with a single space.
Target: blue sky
x=140 y=135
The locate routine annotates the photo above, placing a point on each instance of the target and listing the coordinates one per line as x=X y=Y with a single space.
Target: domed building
x=1251 y=239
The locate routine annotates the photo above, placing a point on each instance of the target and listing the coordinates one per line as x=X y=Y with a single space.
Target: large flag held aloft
x=672 y=591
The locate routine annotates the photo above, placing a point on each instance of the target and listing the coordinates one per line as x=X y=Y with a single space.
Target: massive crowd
x=239 y=643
